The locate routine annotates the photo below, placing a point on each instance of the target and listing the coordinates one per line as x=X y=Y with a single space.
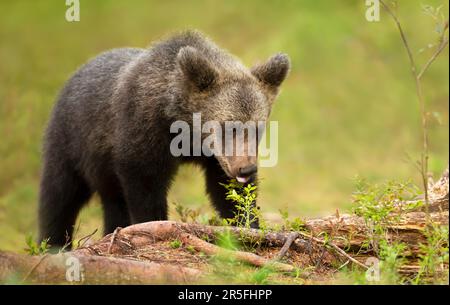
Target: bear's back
x=164 y=52
x=82 y=114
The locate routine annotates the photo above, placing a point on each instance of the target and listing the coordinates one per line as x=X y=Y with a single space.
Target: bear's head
x=235 y=98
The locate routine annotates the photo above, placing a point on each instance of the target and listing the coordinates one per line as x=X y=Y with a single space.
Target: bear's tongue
x=242 y=179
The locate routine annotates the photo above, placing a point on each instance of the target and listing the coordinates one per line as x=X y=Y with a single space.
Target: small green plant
x=33 y=248
x=175 y=244
x=191 y=249
x=392 y=258
x=379 y=205
x=434 y=254
x=375 y=203
x=244 y=198
x=297 y=224
x=227 y=241
x=261 y=276
x=213 y=220
x=185 y=213
x=246 y=213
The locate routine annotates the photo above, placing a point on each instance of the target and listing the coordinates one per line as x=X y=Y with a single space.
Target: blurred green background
x=348 y=108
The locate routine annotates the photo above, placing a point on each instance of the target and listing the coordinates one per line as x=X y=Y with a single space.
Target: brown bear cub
x=110 y=129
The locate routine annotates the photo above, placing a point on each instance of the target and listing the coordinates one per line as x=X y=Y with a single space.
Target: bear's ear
x=274 y=71
x=196 y=68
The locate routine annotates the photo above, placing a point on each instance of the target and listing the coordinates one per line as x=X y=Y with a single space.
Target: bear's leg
x=146 y=203
x=145 y=192
x=214 y=175
x=62 y=195
x=115 y=212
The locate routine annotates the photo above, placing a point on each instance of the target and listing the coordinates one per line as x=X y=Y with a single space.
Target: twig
x=86 y=238
x=343 y=265
x=290 y=239
x=403 y=36
x=343 y=253
x=247 y=257
x=433 y=57
x=68 y=242
x=424 y=156
x=441 y=47
x=34 y=267
x=164 y=230
x=113 y=237
x=339 y=250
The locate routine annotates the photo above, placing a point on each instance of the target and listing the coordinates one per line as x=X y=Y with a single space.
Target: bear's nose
x=248 y=170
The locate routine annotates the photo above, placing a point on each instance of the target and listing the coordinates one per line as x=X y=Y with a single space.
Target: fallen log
x=128 y=239
x=409 y=227
x=56 y=269
x=134 y=254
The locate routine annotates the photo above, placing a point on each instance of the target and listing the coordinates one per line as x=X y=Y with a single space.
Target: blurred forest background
x=348 y=108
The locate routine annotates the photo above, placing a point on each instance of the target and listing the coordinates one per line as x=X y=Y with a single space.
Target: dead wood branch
x=95 y=269
x=140 y=235
x=250 y=258
x=134 y=254
x=291 y=238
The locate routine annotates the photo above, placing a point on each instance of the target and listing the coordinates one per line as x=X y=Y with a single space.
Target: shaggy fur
x=109 y=130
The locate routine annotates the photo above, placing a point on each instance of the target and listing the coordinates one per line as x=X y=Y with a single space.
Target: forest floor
x=388 y=239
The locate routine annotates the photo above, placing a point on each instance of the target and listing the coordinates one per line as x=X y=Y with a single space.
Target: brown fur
x=109 y=130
